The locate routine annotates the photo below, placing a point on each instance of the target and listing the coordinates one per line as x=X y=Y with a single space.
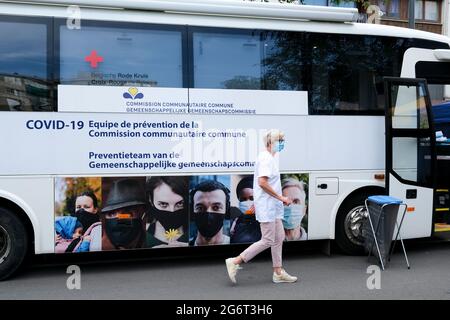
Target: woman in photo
x=168 y=198
x=82 y=231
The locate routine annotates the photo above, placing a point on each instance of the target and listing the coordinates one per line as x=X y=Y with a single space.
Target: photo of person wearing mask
x=210 y=201
x=87 y=212
x=294 y=213
x=167 y=211
x=124 y=215
x=88 y=231
x=69 y=236
x=245 y=228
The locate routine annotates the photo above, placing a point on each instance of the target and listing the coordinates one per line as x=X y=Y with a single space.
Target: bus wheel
x=349 y=225
x=13 y=243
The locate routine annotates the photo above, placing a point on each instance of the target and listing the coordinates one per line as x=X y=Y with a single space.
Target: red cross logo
x=93 y=59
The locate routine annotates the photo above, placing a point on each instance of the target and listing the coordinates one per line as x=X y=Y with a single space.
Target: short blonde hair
x=273 y=135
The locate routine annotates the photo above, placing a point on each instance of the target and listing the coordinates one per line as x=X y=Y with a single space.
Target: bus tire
x=349 y=223
x=13 y=243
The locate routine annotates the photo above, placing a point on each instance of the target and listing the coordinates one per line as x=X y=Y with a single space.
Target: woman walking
x=268 y=201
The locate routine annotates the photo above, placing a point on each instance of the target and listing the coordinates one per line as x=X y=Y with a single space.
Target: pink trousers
x=272 y=236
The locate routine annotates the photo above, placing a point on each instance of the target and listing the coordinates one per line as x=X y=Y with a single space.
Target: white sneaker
x=283 y=277
x=232 y=269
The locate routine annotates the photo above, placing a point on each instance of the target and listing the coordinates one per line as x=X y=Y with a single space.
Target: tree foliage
x=361 y=5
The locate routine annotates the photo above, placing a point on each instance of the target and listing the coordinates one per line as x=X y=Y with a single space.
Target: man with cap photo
x=124 y=215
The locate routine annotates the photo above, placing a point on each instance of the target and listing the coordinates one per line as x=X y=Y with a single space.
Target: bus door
x=441 y=116
x=436 y=69
x=411 y=152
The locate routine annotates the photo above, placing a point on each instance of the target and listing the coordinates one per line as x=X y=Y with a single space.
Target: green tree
x=361 y=5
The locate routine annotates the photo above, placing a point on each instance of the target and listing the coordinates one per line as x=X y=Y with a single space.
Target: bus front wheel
x=349 y=225
x=13 y=243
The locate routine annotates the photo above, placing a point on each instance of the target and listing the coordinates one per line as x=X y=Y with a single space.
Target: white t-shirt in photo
x=267 y=208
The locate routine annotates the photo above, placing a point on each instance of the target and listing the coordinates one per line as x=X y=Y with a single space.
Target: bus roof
x=218 y=13
x=222 y=7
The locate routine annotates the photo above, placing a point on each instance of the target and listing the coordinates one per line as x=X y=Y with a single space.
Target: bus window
x=121 y=55
x=346 y=72
x=437 y=75
x=227 y=60
x=438 y=79
x=285 y=60
x=434 y=72
x=410 y=154
x=24 y=65
x=437 y=93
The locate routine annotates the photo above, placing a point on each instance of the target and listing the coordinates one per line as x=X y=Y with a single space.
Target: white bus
x=135 y=124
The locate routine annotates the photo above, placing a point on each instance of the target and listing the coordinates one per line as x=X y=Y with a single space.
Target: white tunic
x=267 y=208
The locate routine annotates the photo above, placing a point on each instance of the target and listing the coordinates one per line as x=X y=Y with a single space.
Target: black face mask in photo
x=86 y=218
x=209 y=223
x=168 y=219
x=121 y=232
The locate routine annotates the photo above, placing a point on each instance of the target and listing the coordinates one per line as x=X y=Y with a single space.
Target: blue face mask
x=245 y=206
x=278 y=146
x=293 y=215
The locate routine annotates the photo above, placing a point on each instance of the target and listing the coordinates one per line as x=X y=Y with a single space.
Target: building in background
x=430 y=15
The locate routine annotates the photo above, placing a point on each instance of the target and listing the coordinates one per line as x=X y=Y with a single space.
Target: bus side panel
x=35 y=196
x=418 y=222
x=323 y=208
x=344 y=143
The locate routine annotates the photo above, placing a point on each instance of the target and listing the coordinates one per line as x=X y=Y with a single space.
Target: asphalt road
x=321 y=277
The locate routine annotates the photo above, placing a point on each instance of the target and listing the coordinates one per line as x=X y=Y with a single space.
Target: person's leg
x=267 y=240
x=277 y=248
x=280 y=275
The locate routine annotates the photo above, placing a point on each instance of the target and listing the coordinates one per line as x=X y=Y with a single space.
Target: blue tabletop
x=384 y=200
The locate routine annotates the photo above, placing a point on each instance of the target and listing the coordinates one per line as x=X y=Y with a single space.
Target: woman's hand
x=264 y=184
x=286 y=201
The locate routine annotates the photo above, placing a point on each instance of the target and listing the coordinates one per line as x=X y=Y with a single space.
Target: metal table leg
x=399 y=235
